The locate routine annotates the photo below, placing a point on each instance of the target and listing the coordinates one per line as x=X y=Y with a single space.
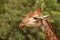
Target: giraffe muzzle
x=21 y=25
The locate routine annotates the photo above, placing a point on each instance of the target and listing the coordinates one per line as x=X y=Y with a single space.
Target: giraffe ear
x=37 y=11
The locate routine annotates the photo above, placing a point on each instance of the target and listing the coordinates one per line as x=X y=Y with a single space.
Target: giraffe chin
x=21 y=25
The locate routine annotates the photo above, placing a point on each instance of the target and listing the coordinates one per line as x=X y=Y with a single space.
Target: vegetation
x=13 y=11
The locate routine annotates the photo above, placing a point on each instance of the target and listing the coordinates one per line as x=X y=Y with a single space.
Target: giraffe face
x=33 y=19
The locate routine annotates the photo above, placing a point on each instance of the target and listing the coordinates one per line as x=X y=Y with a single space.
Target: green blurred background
x=13 y=11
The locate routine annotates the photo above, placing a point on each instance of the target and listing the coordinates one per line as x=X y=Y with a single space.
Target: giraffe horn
x=37 y=11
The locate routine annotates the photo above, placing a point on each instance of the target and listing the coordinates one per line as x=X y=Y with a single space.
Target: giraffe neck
x=48 y=31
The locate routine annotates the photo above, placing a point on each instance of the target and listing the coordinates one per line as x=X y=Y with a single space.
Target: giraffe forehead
x=34 y=15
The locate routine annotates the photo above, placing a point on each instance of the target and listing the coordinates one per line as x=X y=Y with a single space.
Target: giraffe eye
x=35 y=18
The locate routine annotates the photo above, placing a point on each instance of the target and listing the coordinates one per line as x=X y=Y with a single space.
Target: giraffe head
x=33 y=19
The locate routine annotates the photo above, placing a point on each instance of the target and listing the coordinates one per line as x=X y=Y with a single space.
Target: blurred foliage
x=13 y=11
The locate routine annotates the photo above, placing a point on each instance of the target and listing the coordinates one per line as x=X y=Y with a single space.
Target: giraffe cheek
x=36 y=23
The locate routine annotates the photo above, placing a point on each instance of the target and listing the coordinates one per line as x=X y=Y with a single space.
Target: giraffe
x=36 y=19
